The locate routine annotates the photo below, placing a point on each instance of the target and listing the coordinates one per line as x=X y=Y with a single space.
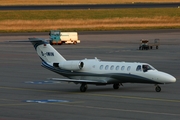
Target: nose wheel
x=83 y=87
x=158 y=88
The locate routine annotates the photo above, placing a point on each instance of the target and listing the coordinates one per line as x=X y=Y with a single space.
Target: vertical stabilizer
x=45 y=51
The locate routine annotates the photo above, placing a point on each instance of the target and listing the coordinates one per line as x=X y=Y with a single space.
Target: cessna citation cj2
x=94 y=71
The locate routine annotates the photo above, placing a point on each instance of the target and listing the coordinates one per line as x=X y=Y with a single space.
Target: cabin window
x=122 y=68
x=128 y=68
x=101 y=67
x=117 y=67
x=106 y=67
x=112 y=67
x=138 y=68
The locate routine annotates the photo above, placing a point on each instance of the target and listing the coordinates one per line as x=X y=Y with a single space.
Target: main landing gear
x=83 y=87
x=116 y=86
x=157 y=88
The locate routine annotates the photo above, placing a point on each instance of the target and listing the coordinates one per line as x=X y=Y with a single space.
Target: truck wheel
x=74 y=42
x=59 y=43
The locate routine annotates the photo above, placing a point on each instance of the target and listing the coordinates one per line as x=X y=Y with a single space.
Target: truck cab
x=54 y=36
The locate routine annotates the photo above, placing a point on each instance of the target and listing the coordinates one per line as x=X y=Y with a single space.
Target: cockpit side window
x=138 y=68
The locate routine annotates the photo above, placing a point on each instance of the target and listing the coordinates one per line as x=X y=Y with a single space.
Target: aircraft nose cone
x=170 y=78
x=167 y=78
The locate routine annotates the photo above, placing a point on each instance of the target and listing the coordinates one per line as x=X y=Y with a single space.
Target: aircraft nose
x=172 y=78
x=169 y=78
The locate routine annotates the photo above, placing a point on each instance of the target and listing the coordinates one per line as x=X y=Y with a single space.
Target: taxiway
x=26 y=94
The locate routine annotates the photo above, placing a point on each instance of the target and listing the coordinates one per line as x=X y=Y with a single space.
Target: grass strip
x=77 y=20
x=88 y=14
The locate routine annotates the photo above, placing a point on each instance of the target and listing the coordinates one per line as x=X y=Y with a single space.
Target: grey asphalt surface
x=23 y=80
x=90 y=6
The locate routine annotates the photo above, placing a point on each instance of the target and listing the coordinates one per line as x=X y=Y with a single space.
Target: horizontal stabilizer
x=31 y=40
x=79 y=81
x=19 y=41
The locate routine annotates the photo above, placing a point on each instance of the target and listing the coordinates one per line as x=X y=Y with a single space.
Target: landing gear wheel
x=116 y=86
x=158 y=89
x=83 y=87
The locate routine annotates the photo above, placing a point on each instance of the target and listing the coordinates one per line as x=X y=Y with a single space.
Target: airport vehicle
x=59 y=38
x=145 y=45
x=97 y=72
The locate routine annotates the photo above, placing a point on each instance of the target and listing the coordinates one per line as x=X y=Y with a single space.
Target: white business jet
x=94 y=71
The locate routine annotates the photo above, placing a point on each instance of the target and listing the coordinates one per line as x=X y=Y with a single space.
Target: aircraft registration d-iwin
x=97 y=72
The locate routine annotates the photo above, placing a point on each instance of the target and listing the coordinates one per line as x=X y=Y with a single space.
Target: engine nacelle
x=70 y=65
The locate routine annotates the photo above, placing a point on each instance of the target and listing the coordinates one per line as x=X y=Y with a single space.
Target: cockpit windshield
x=144 y=67
x=147 y=67
x=55 y=32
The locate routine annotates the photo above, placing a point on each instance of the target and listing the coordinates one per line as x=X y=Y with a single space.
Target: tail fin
x=45 y=51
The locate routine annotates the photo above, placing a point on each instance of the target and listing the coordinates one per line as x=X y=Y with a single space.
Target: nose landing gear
x=157 y=88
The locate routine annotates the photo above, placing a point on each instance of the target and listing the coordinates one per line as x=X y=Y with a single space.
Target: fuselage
x=115 y=72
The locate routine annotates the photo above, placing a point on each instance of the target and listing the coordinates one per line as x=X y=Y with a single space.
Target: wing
x=79 y=81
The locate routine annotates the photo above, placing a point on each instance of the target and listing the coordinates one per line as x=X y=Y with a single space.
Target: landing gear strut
x=83 y=87
x=158 y=88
